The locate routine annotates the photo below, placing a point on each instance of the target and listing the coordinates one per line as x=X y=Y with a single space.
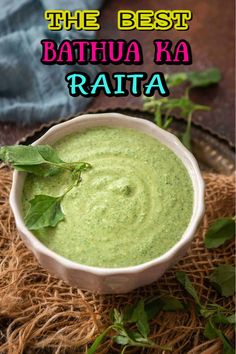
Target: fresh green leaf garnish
x=42 y=170
x=223 y=279
x=212 y=332
x=185 y=281
x=42 y=160
x=219 y=232
x=44 y=211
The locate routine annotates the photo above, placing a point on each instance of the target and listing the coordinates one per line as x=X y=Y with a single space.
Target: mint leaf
x=185 y=281
x=204 y=78
x=223 y=279
x=44 y=211
x=219 y=232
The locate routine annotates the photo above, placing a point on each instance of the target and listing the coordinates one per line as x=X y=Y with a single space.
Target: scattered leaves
x=219 y=232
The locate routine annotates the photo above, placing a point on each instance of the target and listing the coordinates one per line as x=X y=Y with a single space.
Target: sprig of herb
x=130 y=328
x=194 y=78
x=213 y=313
x=42 y=160
x=164 y=108
x=219 y=232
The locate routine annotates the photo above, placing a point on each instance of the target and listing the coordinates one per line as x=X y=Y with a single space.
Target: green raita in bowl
x=132 y=206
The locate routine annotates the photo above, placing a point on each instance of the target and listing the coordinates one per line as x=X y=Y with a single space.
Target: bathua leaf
x=232 y=318
x=48 y=153
x=21 y=155
x=31 y=159
x=219 y=232
x=223 y=279
x=117 y=317
x=196 y=78
x=211 y=332
x=44 y=211
x=139 y=316
x=42 y=170
x=172 y=304
x=153 y=307
x=220 y=318
x=98 y=341
x=176 y=79
x=184 y=104
x=186 y=139
x=204 y=78
x=185 y=281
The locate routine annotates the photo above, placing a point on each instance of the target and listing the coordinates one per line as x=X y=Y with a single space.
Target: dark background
x=211 y=36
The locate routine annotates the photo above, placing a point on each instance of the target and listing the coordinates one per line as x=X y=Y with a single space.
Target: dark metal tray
x=213 y=153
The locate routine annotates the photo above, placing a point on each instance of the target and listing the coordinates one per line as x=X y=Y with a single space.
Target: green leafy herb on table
x=212 y=332
x=163 y=108
x=194 y=78
x=219 y=232
x=42 y=160
x=131 y=327
x=213 y=313
x=223 y=279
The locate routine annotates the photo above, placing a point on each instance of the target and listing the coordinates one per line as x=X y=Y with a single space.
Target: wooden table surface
x=211 y=36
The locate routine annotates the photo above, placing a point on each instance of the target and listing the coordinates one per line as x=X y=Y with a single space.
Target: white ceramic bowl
x=111 y=280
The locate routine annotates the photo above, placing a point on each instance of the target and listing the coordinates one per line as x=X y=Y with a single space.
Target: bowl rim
x=198 y=204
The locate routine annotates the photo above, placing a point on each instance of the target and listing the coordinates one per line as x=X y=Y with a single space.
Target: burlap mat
x=41 y=314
